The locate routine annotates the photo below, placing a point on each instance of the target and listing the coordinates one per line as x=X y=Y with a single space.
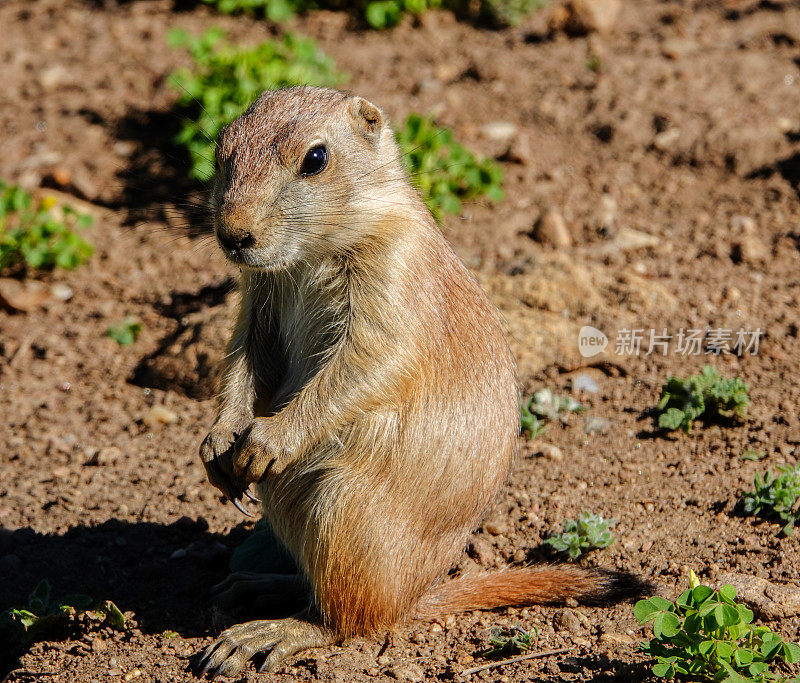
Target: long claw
x=253 y=498
x=240 y=508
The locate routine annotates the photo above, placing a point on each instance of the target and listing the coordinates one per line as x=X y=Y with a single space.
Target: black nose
x=236 y=241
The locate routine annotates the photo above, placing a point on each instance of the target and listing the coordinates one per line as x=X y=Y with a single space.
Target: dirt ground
x=675 y=163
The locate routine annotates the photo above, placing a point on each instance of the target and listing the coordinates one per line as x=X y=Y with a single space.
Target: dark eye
x=315 y=161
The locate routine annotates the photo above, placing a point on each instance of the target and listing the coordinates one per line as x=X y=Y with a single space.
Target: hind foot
x=229 y=654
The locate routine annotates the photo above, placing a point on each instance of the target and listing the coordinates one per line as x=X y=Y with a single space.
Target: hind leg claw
x=229 y=654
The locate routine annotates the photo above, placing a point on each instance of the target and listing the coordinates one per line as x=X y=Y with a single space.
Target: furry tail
x=531 y=586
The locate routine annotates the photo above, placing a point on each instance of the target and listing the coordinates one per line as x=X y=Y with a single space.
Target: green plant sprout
x=226 y=79
x=125 y=332
x=508 y=641
x=684 y=400
x=588 y=532
x=444 y=171
x=705 y=635
x=382 y=14
x=775 y=496
x=544 y=406
x=42 y=613
x=40 y=234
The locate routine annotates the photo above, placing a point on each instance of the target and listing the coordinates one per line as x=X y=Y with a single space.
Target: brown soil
x=690 y=122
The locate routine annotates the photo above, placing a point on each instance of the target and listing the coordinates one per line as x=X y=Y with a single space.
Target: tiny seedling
x=444 y=171
x=775 y=496
x=545 y=406
x=42 y=614
x=226 y=79
x=40 y=234
x=708 y=394
x=705 y=635
x=509 y=641
x=125 y=332
x=588 y=532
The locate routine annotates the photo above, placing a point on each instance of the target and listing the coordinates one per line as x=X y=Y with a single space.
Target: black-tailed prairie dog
x=368 y=390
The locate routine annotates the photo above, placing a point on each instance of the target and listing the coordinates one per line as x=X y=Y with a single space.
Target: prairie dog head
x=303 y=172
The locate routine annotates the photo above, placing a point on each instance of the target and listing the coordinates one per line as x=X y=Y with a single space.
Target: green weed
x=775 y=496
x=226 y=79
x=381 y=14
x=684 y=400
x=544 y=406
x=588 y=532
x=39 y=234
x=705 y=635
x=125 y=332
x=508 y=641
x=444 y=171
x=42 y=614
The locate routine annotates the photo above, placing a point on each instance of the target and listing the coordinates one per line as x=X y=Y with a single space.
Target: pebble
x=666 y=140
x=584 y=382
x=596 y=425
x=105 y=456
x=500 y=131
x=549 y=451
x=483 y=551
x=497 y=527
x=567 y=620
x=616 y=639
x=551 y=228
x=407 y=672
x=384 y=660
x=60 y=291
x=675 y=48
x=158 y=415
x=23 y=295
x=179 y=554
x=747 y=247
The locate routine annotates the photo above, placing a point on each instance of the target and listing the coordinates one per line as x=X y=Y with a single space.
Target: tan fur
x=368 y=372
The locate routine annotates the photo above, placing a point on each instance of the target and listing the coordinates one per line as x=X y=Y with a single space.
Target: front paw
x=217 y=451
x=259 y=452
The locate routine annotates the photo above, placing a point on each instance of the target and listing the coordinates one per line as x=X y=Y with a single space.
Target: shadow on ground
x=162 y=573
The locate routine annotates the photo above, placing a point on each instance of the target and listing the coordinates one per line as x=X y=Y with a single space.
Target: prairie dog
x=368 y=390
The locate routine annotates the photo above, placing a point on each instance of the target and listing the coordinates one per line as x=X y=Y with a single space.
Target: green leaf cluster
x=39 y=234
x=381 y=14
x=125 y=332
x=706 y=635
x=505 y=642
x=544 y=406
x=444 y=171
x=775 y=496
x=40 y=614
x=580 y=535
x=226 y=79
x=685 y=400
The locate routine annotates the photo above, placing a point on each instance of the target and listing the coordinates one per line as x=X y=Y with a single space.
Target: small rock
x=384 y=660
x=747 y=246
x=666 y=140
x=549 y=451
x=500 y=131
x=105 y=456
x=567 y=620
x=675 y=48
x=768 y=600
x=481 y=550
x=552 y=229
x=407 y=672
x=99 y=645
x=158 y=415
x=497 y=527
x=595 y=425
x=616 y=639
x=54 y=76
x=519 y=151
x=179 y=554
x=628 y=239
x=23 y=295
x=61 y=176
x=60 y=291
x=584 y=382
x=579 y=17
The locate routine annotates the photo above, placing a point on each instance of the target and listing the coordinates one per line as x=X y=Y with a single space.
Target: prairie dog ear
x=367 y=119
